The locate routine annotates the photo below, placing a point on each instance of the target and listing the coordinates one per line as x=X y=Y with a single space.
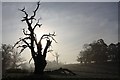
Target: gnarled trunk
x=40 y=64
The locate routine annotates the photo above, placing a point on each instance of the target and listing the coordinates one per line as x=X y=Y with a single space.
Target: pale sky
x=75 y=23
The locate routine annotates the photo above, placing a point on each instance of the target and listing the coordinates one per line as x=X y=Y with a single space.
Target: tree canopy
x=99 y=52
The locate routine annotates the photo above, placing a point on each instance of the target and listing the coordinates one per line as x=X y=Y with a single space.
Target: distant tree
x=6 y=51
x=118 y=50
x=30 y=41
x=79 y=58
x=10 y=58
x=114 y=52
x=56 y=55
x=17 y=60
x=26 y=66
x=84 y=56
x=96 y=51
x=99 y=51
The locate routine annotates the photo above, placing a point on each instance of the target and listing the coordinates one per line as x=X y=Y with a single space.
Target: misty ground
x=82 y=71
x=95 y=70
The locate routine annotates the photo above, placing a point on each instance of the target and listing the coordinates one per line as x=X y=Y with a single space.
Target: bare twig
x=26 y=15
x=30 y=60
x=48 y=36
x=37 y=24
x=25 y=32
x=34 y=12
x=23 y=46
x=22 y=50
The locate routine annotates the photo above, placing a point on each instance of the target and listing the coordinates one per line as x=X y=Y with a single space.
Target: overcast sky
x=75 y=23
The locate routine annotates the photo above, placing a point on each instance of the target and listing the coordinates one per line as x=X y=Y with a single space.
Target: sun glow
x=49 y=54
x=39 y=32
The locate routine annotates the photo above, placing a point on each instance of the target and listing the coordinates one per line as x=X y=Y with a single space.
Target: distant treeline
x=99 y=52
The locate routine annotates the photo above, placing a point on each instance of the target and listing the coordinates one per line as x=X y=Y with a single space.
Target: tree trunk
x=40 y=64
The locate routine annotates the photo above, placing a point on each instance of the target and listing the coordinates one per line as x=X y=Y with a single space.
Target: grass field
x=95 y=70
x=84 y=72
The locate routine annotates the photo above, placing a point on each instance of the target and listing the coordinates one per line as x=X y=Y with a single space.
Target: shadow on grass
x=47 y=77
x=27 y=77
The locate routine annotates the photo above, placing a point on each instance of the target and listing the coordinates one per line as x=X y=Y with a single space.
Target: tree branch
x=35 y=39
x=23 y=49
x=37 y=24
x=26 y=15
x=39 y=48
x=48 y=36
x=24 y=40
x=34 y=12
x=23 y=46
x=33 y=52
x=25 y=32
x=30 y=60
x=46 y=47
x=17 y=43
x=26 y=43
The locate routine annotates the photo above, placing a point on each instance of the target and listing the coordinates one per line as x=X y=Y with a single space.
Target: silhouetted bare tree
x=30 y=41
